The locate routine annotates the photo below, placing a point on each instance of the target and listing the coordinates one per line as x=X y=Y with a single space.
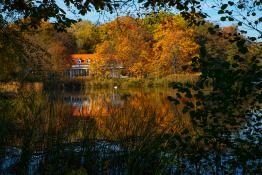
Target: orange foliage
x=126 y=44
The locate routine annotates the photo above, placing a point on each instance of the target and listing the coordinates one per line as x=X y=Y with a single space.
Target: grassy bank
x=133 y=82
x=91 y=82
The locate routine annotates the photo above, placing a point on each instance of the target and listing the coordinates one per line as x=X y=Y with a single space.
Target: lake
x=118 y=131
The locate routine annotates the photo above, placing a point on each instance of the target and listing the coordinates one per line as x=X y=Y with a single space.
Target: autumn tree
x=54 y=48
x=105 y=58
x=34 y=54
x=174 y=46
x=11 y=53
x=86 y=35
x=128 y=43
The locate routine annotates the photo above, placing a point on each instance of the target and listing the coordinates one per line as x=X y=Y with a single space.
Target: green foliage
x=226 y=96
x=86 y=36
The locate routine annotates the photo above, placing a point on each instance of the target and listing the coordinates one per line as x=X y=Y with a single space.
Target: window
x=79 y=61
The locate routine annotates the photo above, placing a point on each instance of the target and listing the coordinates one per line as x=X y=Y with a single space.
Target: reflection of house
x=81 y=66
x=86 y=106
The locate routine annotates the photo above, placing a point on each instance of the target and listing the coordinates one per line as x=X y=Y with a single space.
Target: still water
x=116 y=131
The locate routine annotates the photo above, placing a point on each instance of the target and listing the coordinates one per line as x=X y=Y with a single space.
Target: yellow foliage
x=126 y=45
x=127 y=41
x=174 y=47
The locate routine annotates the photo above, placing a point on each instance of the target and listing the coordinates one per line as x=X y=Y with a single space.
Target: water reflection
x=87 y=105
x=104 y=131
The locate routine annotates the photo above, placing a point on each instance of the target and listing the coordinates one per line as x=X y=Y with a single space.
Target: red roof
x=82 y=58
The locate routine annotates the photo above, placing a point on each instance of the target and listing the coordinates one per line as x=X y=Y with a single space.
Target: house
x=81 y=66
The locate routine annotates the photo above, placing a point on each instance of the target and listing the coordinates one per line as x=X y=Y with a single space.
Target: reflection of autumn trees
x=90 y=105
x=43 y=122
x=141 y=122
x=131 y=113
x=139 y=114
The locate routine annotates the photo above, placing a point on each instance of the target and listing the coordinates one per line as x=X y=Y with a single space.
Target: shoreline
x=72 y=84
